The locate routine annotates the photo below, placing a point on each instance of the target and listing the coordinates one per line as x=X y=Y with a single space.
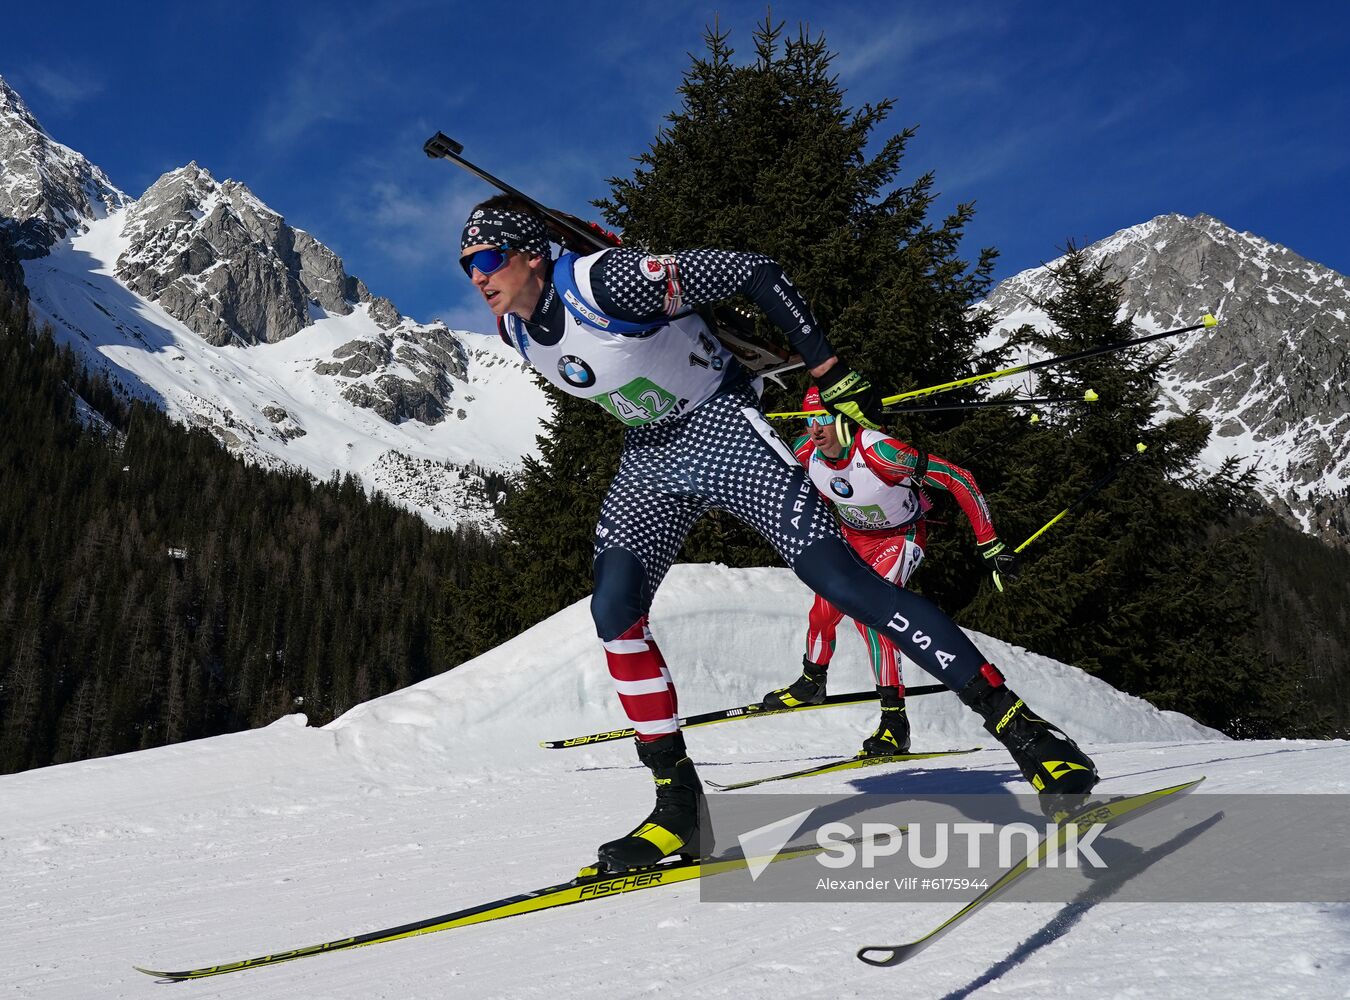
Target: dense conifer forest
x=154 y=588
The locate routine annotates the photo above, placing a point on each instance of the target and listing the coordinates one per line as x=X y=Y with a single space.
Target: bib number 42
x=639 y=402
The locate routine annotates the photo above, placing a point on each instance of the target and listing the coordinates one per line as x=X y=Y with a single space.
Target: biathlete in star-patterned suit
x=618 y=327
x=876 y=485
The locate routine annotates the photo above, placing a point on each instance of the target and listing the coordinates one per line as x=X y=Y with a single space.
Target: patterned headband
x=506 y=229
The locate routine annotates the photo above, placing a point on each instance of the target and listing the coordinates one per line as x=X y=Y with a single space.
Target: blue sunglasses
x=487 y=261
x=823 y=420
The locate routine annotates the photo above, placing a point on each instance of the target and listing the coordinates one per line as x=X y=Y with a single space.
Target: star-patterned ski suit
x=698 y=440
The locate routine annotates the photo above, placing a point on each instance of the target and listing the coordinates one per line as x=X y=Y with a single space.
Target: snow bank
x=728 y=635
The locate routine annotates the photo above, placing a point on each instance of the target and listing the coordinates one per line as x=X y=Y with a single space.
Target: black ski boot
x=892 y=735
x=672 y=827
x=1046 y=756
x=808 y=689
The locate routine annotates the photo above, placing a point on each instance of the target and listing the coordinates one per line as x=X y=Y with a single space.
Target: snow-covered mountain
x=201 y=298
x=1272 y=377
x=47 y=190
x=438 y=797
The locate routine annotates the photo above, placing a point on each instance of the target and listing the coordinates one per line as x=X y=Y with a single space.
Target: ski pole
x=1087 y=397
x=1083 y=497
x=1092 y=352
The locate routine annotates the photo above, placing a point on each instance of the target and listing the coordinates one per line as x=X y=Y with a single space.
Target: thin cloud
x=334 y=76
x=313 y=93
x=904 y=39
x=413 y=229
x=63 y=89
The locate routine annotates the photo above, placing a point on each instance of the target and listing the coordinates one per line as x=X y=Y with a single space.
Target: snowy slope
x=437 y=797
x=267 y=402
x=316 y=372
x=46 y=189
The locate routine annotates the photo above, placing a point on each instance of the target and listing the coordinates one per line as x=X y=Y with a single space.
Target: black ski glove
x=1002 y=561
x=849 y=396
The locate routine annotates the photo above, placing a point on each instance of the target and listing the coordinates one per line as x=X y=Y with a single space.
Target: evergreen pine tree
x=1149 y=585
x=767 y=157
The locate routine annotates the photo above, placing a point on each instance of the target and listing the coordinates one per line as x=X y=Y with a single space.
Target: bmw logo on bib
x=841 y=486
x=575 y=371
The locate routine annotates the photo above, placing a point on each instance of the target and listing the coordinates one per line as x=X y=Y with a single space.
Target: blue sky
x=1058 y=120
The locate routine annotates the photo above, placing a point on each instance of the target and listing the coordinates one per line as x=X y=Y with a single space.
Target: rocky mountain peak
x=13 y=107
x=217 y=258
x=173 y=297
x=47 y=190
x=1271 y=377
